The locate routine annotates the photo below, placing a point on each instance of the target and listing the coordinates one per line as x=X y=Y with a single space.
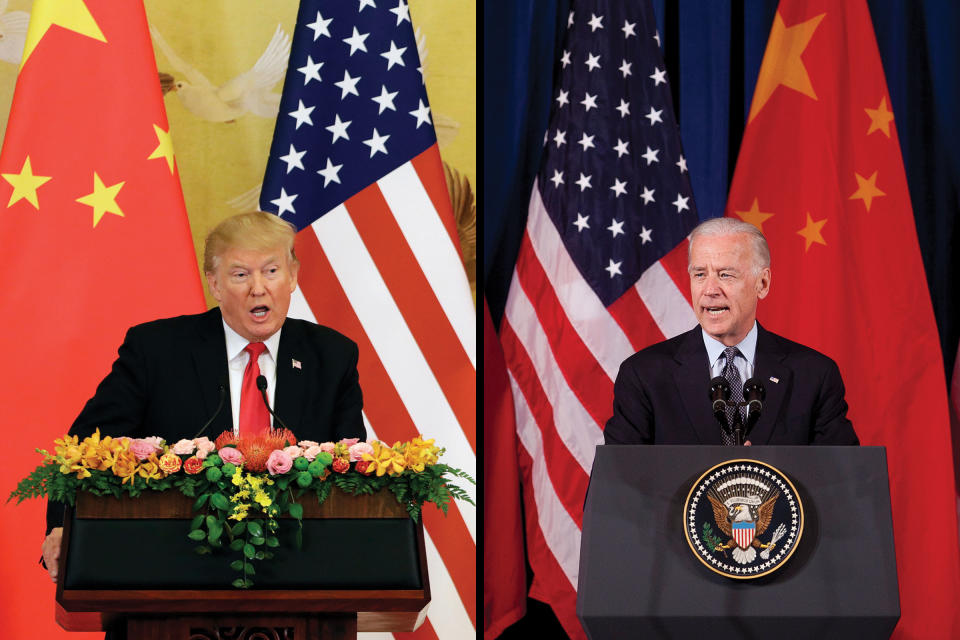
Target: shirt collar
x=237 y=343
x=747 y=346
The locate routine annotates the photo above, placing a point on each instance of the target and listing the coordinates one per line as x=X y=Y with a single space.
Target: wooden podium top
x=174 y=505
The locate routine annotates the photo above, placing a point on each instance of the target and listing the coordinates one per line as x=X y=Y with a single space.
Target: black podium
x=639 y=578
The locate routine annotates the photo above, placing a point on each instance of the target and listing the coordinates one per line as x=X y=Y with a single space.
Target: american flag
x=601 y=270
x=354 y=165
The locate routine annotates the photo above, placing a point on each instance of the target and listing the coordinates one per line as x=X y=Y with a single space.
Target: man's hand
x=51 y=551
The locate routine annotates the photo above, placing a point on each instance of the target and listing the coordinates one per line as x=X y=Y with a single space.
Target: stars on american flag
x=584 y=182
x=358 y=108
x=613 y=147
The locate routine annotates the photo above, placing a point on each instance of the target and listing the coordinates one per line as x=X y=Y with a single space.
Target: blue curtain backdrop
x=713 y=50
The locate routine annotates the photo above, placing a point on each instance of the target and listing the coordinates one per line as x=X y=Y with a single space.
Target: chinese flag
x=820 y=173
x=94 y=238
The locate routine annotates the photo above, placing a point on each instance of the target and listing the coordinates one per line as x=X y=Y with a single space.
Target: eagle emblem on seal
x=743 y=518
x=742 y=511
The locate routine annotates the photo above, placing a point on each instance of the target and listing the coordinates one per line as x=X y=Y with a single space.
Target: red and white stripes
x=384 y=269
x=563 y=349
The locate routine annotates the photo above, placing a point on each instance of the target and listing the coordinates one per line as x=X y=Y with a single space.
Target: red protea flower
x=256 y=449
x=224 y=439
x=255 y=452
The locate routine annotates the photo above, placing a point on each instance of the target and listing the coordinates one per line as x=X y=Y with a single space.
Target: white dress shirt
x=743 y=362
x=237 y=360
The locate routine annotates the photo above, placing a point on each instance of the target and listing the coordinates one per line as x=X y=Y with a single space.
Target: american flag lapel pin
x=772 y=379
x=296 y=364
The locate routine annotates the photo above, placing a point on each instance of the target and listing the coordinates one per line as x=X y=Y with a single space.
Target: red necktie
x=254 y=417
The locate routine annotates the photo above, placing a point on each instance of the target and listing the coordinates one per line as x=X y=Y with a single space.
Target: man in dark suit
x=171 y=376
x=661 y=395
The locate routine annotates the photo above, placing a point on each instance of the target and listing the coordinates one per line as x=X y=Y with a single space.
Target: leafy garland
x=242 y=485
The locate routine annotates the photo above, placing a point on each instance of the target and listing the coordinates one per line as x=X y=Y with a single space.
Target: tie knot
x=731 y=353
x=255 y=349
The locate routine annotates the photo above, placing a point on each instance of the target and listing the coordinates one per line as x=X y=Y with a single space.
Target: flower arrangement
x=242 y=484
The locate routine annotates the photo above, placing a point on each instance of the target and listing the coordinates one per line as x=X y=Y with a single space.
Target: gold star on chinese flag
x=754 y=216
x=880 y=118
x=811 y=232
x=164 y=148
x=866 y=189
x=782 y=64
x=25 y=185
x=103 y=199
x=69 y=14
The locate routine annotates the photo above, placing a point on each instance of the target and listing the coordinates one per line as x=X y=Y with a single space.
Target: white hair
x=731 y=226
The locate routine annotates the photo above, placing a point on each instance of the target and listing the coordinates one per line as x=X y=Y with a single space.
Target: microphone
x=754 y=394
x=262 y=385
x=223 y=396
x=719 y=394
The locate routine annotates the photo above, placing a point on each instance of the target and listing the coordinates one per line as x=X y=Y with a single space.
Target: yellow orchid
x=386 y=460
x=149 y=469
x=262 y=499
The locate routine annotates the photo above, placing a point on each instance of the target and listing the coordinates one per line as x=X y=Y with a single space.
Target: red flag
x=820 y=172
x=504 y=575
x=94 y=238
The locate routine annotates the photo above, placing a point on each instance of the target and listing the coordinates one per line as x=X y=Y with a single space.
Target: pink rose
x=184 y=447
x=293 y=451
x=349 y=442
x=156 y=441
x=311 y=452
x=142 y=449
x=306 y=444
x=204 y=447
x=279 y=462
x=357 y=450
x=326 y=446
x=231 y=455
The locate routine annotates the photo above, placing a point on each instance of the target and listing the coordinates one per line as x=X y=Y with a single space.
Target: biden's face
x=725 y=285
x=253 y=289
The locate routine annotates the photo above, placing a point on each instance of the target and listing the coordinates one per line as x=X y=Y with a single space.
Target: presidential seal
x=743 y=519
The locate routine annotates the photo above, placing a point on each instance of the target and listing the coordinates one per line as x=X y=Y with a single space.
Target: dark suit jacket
x=661 y=396
x=167 y=376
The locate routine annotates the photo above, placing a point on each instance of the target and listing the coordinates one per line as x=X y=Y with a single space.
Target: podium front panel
x=638 y=574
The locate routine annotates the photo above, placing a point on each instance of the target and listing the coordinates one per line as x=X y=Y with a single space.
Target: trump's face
x=253 y=289
x=725 y=286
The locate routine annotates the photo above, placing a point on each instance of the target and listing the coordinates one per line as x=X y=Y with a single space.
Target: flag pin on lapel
x=772 y=379
x=296 y=364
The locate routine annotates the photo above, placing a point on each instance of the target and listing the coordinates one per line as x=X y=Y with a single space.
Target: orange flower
x=125 y=466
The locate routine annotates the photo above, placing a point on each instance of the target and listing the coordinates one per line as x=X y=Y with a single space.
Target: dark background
x=713 y=50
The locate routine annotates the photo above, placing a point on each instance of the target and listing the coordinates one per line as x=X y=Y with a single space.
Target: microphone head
x=719 y=385
x=753 y=390
x=262 y=382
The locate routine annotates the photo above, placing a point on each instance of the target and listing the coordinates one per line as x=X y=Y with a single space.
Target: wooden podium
x=362 y=568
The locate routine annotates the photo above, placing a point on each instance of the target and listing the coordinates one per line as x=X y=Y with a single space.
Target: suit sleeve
x=117 y=408
x=348 y=422
x=831 y=425
x=632 y=421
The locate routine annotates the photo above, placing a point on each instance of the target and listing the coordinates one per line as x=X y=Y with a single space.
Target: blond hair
x=255 y=230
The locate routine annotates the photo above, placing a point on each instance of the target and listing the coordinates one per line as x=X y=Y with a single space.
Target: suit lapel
x=291 y=379
x=692 y=378
x=210 y=362
x=771 y=370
